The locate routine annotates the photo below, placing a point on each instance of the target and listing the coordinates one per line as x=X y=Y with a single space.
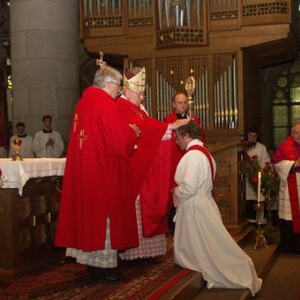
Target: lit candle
x=258 y=187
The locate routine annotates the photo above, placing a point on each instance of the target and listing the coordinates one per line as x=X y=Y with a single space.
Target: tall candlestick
x=259 y=187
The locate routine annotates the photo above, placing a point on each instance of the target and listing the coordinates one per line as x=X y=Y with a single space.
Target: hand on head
x=179 y=123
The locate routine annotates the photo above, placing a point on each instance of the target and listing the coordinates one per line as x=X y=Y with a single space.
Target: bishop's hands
x=136 y=129
x=179 y=123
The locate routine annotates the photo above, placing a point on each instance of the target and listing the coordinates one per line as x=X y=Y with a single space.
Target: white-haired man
x=96 y=216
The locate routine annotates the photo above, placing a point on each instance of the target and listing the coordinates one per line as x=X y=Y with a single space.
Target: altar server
x=24 y=140
x=48 y=142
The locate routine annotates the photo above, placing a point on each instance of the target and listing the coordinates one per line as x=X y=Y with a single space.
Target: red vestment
x=150 y=165
x=97 y=178
x=287 y=151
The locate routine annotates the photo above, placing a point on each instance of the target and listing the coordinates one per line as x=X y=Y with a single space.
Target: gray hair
x=106 y=74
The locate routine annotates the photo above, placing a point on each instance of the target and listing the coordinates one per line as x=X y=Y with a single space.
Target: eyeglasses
x=118 y=84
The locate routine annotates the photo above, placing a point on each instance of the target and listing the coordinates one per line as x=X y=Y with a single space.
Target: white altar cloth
x=15 y=174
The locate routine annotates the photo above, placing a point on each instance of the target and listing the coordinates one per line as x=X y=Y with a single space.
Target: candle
x=258 y=187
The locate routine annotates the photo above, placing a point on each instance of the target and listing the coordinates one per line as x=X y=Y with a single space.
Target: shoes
x=113 y=275
x=95 y=275
x=152 y=261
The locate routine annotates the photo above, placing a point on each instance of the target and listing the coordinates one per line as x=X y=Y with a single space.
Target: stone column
x=44 y=56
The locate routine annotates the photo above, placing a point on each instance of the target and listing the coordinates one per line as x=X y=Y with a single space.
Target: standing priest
x=181 y=106
x=150 y=168
x=96 y=216
x=287 y=164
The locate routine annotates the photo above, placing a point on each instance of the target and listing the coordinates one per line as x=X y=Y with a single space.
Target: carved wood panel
x=223 y=10
x=28 y=223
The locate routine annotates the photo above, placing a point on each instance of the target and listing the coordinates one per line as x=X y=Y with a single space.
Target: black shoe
x=152 y=261
x=113 y=275
x=94 y=274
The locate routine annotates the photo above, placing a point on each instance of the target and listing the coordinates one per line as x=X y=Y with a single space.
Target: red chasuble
x=287 y=151
x=97 y=178
x=151 y=169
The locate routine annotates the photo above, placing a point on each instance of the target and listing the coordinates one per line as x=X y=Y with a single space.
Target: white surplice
x=39 y=144
x=283 y=169
x=260 y=151
x=26 y=147
x=201 y=241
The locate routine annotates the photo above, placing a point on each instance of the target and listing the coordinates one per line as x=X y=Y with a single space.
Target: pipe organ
x=198 y=67
x=225 y=91
x=170 y=73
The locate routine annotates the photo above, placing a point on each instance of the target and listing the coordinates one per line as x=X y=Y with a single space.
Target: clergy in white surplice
x=287 y=164
x=201 y=241
x=48 y=142
x=24 y=140
x=254 y=149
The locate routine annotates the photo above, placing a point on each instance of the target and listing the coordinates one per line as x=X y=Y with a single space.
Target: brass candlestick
x=259 y=233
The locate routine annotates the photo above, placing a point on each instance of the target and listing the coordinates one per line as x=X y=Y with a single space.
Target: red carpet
x=68 y=281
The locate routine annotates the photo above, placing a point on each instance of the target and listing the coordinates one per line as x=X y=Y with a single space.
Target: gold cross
x=82 y=137
x=76 y=119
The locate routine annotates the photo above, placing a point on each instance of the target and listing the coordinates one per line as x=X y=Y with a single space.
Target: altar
x=29 y=201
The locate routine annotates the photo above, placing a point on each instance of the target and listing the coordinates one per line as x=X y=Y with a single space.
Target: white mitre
x=135 y=79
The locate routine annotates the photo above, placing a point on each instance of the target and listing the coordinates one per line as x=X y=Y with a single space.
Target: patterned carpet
x=145 y=281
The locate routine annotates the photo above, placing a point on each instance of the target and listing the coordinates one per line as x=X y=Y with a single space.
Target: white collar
x=193 y=143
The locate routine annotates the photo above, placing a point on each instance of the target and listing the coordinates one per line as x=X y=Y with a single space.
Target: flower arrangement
x=269 y=177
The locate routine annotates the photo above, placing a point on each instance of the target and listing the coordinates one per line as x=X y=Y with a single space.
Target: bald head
x=296 y=133
x=180 y=103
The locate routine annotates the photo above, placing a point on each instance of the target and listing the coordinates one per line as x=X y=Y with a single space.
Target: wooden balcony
x=144 y=18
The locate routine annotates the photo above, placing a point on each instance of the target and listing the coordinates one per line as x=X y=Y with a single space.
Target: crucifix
x=76 y=119
x=82 y=137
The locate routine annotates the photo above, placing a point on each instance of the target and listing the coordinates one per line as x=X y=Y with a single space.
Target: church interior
x=245 y=58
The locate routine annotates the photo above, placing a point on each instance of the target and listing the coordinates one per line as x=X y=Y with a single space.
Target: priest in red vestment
x=97 y=216
x=150 y=168
x=180 y=105
x=287 y=164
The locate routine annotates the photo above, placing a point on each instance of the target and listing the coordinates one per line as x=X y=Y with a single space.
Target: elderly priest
x=96 y=217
